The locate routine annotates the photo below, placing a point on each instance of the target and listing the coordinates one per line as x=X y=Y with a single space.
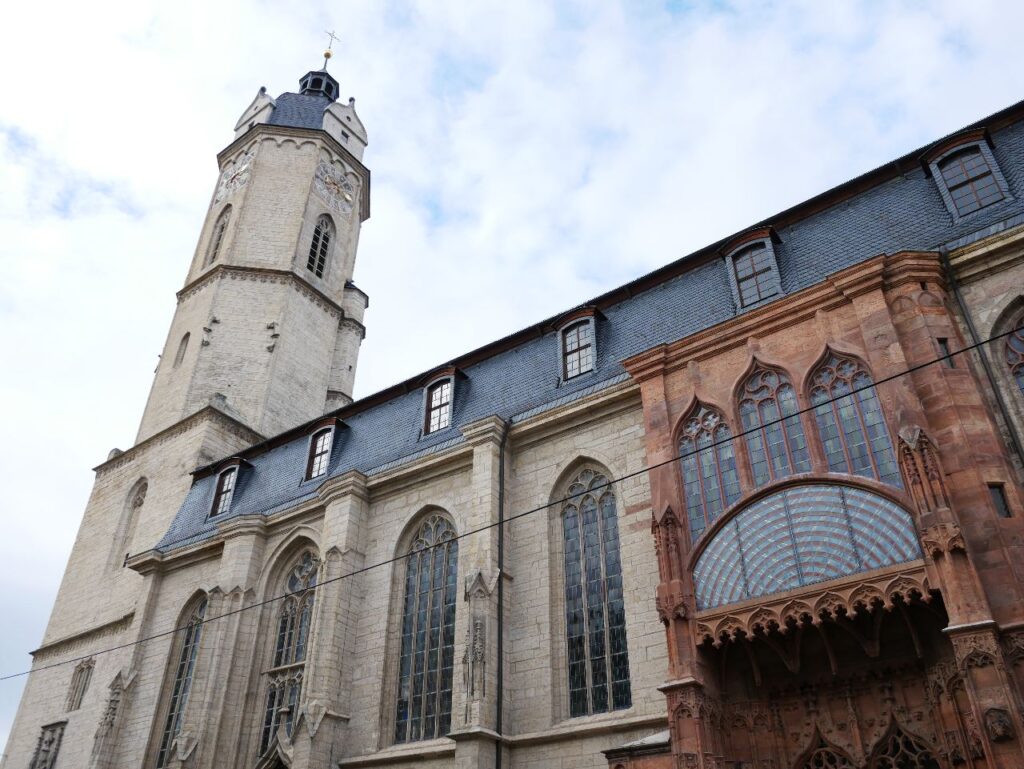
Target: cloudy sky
x=525 y=157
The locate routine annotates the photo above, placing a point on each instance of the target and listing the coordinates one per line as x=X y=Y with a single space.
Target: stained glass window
x=426 y=658
x=217 y=239
x=319 y=453
x=800 y=536
x=969 y=180
x=225 y=491
x=851 y=427
x=710 y=481
x=320 y=246
x=754 y=269
x=284 y=677
x=1015 y=353
x=595 y=617
x=776 y=448
x=187 y=652
x=577 y=350
x=439 y=406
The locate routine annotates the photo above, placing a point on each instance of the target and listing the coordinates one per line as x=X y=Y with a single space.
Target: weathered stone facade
x=410 y=601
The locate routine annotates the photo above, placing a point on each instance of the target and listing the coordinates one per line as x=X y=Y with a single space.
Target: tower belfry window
x=319 y=246
x=217 y=239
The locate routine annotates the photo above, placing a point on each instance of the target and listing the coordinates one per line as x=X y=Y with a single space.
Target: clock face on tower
x=336 y=190
x=234 y=176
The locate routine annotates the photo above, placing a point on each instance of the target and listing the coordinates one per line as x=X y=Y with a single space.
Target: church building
x=758 y=509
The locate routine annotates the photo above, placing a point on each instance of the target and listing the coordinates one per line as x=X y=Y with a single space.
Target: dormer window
x=319 y=453
x=966 y=173
x=578 y=349
x=439 y=406
x=753 y=270
x=225 y=491
x=969 y=180
x=320 y=245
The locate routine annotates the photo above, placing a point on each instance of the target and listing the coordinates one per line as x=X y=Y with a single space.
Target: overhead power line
x=523 y=514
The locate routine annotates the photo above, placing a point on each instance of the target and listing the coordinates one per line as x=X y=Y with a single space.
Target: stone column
x=322 y=721
x=474 y=701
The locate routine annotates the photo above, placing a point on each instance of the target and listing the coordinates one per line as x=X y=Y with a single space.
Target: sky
x=525 y=156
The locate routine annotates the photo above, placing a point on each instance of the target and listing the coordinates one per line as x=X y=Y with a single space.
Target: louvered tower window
x=595 y=617
x=319 y=246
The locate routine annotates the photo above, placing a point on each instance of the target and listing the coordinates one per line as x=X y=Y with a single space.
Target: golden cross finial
x=330 y=44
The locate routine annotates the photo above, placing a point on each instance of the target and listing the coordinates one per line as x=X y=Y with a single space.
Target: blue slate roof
x=901 y=212
x=299 y=110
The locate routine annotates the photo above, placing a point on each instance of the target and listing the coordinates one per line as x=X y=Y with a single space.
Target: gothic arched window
x=79 y=684
x=424 y=704
x=595 y=617
x=185 y=652
x=710 y=481
x=284 y=677
x=1015 y=353
x=217 y=238
x=182 y=347
x=320 y=246
x=899 y=750
x=776 y=449
x=851 y=425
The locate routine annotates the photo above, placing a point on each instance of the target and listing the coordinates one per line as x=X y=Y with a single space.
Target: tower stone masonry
x=759 y=509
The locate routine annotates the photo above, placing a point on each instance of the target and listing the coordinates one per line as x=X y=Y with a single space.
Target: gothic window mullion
x=585 y=603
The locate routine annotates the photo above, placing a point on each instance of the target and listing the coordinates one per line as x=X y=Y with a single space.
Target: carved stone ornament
x=334 y=187
x=858 y=594
x=998 y=724
x=976 y=650
x=920 y=464
x=314 y=714
x=474 y=664
x=943 y=538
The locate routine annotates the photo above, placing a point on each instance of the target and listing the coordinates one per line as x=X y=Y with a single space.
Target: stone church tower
x=265 y=335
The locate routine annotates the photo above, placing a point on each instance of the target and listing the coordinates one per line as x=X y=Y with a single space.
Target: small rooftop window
x=969 y=181
x=319 y=453
x=225 y=491
x=439 y=406
x=578 y=349
x=752 y=267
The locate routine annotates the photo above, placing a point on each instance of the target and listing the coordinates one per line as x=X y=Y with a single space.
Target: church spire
x=319 y=82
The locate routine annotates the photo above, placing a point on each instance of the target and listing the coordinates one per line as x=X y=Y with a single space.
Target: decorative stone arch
x=124 y=532
x=822 y=754
x=1007 y=356
x=899 y=748
x=836 y=347
x=278 y=561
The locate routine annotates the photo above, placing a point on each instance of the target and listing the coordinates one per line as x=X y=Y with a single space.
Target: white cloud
x=525 y=156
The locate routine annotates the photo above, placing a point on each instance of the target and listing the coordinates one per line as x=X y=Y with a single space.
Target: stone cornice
x=207 y=413
x=352 y=483
x=264 y=275
x=421 y=469
x=155 y=560
x=990 y=256
x=487 y=430
x=261 y=130
x=70 y=642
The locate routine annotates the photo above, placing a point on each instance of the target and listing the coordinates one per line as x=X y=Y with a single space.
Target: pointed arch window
x=225 y=492
x=900 y=750
x=319 y=453
x=79 y=684
x=850 y=424
x=1015 y=353
x=319 y=246
x=776 y=449
x=710 y=480
x=291 y=640
x=595 y=617
x=186 y=653
x=427 y=655
x=217 y=238
x=182 y=347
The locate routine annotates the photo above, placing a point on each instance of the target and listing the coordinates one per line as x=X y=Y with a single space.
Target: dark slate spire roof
x=894 y=208
x=299 y=110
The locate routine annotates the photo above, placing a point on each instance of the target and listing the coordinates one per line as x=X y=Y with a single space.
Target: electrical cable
x=516 y=516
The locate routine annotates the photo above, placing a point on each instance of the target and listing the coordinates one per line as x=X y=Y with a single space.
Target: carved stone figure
x=998 y=725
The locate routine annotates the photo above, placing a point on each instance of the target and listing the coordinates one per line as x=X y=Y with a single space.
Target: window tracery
x=776 y=449
x=595 y=619
x=710 y=480
x=284 y=677
x=851 y=427
x=1015 y=353
x=427 y=655
x=320 y=246
x=899 y=750
x=184 y=669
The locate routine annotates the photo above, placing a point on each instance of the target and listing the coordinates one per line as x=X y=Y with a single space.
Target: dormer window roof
x=752 y=268
x=966 y=173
